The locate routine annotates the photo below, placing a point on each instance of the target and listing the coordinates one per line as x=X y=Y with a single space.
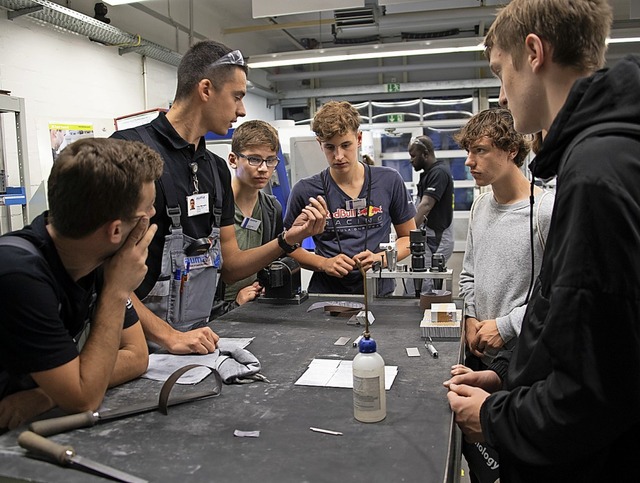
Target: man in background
x=434 y=202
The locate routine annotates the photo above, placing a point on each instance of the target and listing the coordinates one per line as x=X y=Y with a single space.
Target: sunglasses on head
x=232 y=58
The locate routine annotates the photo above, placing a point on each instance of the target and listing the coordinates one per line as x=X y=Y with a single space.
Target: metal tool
x=431 y=348
x=337 y=303
x=66 y=456
x=48 y=427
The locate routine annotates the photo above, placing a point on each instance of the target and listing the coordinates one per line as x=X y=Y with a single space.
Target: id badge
x=197 y=204
x=250 y=223
x=356 y=204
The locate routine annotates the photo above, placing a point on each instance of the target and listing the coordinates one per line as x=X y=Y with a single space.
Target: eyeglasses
x=271 y=161
x=232 y=58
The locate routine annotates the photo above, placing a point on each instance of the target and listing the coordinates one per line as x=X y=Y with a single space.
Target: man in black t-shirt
x=434 y=203
x=212 y=82
x=72 y=269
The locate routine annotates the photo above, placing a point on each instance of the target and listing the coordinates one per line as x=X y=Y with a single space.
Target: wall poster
x=64 y=134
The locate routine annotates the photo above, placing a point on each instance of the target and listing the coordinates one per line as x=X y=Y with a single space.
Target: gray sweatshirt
x=496 y=269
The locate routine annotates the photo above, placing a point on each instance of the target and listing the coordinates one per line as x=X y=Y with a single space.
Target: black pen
x=432 y=350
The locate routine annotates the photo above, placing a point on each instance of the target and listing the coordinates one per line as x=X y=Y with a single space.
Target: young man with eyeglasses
x=364 y=202
x=192 y=246
x=258 y=215
x=563 y=405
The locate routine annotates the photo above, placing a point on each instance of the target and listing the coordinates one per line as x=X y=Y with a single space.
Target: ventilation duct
x=52 y=14
x=355 y=18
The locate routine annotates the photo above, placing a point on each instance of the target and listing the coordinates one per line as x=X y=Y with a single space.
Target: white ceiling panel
x=275 y=8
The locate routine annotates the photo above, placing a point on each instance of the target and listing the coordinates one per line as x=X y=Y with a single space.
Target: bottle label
x=366 y=393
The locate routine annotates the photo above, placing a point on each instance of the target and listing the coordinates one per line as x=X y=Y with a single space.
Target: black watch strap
x=285 y=246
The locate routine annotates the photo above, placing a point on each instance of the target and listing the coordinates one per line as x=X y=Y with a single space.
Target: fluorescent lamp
x=375 y=51
x=378 y=51
x=624 y=40
x=121 y=2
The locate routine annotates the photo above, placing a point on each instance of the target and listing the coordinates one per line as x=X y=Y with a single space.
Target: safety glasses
x=232 y=58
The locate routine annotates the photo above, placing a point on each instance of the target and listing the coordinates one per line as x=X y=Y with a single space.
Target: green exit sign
x=393 y=87
x=395 y=118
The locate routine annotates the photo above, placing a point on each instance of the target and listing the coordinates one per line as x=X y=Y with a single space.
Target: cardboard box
x=443 y=313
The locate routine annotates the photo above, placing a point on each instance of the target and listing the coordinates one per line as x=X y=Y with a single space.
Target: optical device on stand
x=417 y=245
x=438 y=264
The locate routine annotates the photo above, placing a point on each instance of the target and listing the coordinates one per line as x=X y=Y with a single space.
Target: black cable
x=326 y=198
x=366 y=216
x=531 y=203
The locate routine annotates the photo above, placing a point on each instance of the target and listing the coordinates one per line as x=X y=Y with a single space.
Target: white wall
x=66 y=78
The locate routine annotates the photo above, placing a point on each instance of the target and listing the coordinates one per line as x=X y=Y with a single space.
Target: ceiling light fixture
x=623 y=40
x=121 y=2
x=375 y=51
x=378 y=51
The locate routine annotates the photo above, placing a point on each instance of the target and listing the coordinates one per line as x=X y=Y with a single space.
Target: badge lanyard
x=194 y=176
x=333 y=221
x=197 y=202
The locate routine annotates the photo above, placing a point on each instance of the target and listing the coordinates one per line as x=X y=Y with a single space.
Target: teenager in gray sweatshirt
x=496 y=271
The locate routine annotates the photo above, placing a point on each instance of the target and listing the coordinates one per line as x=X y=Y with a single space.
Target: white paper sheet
x=337 y=373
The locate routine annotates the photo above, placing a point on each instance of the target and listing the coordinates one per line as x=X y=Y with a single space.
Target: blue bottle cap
x=367 y=346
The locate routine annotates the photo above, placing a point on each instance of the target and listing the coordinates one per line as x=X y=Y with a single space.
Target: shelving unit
x=14 y=195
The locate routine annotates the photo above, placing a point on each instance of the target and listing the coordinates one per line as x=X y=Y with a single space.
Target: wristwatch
x=285 y=246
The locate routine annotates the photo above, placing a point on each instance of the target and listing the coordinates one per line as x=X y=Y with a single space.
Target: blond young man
x=562 y=405
x=363 y=201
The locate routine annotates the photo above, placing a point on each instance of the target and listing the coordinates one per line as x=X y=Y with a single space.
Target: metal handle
x=47 y=427
x=38 y=444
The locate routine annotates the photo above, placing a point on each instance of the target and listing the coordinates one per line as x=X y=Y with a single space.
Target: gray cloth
x=237 y=365
x=496 y=270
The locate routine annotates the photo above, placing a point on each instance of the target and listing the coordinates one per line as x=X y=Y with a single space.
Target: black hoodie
x=571 y=408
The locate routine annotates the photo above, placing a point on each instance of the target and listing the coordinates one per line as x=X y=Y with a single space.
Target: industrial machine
x=282 y=283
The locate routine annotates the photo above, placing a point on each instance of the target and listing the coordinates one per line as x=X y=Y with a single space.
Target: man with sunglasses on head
x=258 y=215
x=193 y=246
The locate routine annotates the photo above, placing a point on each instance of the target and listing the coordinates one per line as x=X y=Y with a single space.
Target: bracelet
x=285 y=246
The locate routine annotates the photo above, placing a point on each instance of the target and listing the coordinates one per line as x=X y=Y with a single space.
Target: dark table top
x=195 y=442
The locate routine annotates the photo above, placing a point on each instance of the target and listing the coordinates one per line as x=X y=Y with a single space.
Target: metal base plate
x=297 y=300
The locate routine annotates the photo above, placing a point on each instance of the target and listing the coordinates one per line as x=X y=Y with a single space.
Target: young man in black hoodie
x=562 y=405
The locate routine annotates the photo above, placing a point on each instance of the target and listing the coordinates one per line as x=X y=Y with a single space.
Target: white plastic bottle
x=369 y=398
